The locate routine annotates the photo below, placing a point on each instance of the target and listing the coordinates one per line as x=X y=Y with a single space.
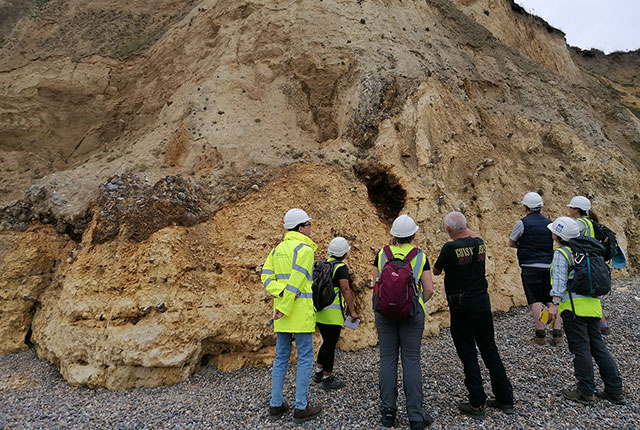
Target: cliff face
x=161 y=144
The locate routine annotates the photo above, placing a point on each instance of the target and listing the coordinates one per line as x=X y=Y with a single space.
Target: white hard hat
x=532 y=201
x=338 y=247
x=404 y=226
x=565 y=227
x=294 y=217
x=580 y=202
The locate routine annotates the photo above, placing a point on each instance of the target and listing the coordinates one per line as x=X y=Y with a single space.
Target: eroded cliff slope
x=148 y=152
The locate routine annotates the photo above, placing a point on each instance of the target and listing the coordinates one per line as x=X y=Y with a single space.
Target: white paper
x=351 y=323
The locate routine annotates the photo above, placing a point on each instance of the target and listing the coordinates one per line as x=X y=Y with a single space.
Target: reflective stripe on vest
x=297 y=292
x=415 y=268
x=297 y=267
x=588 y=226
x=582 y=305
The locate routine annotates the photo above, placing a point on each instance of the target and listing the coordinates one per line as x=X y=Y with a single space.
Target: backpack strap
x=388 y=255
x=411 y=255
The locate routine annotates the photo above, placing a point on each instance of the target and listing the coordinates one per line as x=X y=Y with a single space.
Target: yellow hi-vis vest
x=583 y=306
x=332 y=314
x=588 y=226
x=286 y=274
x=417 y=264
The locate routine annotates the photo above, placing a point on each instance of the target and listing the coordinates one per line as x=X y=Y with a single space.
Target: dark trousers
x=330 y=335
x=471 y=329
x=585 y=341
x=403 y=337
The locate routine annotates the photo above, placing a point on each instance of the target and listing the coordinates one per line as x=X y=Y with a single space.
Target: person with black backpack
x=465 y=283
x=581 y=211
x=330 y=316
x=579 y=275
x=402 y=286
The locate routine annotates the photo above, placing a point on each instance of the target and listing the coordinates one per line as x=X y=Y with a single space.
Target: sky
x=607 y=25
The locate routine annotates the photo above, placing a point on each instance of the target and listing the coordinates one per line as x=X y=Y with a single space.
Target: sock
x=541 y=333
x=318 y=369
x=557 y=332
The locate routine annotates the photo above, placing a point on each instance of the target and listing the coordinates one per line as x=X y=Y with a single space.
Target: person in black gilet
x=534 y=243
x=465 y=284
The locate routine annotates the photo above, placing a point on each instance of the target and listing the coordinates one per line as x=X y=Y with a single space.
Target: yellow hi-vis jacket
x=583 y=306
x=588 y=226
x=286 y=274
x=332 y=314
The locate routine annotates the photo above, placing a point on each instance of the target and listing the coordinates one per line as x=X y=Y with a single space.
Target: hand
x=277 y=315
x=354 y=315
x=553 y=311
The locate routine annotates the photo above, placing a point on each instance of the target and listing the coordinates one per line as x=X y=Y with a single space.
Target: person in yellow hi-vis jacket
x=581 y=315
x=286 y=274
x=330 y=320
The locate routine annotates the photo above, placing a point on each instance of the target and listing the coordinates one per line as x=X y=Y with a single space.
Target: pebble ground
x=34 y=396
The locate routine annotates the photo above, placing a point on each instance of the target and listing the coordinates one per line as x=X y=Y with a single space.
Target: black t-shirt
x=341 y=273
x=463 y=262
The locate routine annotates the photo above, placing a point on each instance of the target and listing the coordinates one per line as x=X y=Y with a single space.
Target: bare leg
x=536 y=308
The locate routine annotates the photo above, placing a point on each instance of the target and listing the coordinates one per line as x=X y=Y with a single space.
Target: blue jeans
x=304 y=344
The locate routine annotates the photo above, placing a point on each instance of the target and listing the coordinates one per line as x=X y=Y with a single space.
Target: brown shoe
x=617 y=399
x=275 y=412
x=537 y=341
x=306 y=414
x=557 y=341
x=577 y=396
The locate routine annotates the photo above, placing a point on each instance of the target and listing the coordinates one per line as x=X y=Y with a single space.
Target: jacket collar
x=294 y=235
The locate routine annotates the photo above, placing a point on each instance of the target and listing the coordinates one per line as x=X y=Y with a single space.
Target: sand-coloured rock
x=161 y=144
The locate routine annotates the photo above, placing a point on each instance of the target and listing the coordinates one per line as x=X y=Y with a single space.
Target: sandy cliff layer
x=161 y=160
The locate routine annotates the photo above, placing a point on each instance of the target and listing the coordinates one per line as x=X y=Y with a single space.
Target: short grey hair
x=455 y=221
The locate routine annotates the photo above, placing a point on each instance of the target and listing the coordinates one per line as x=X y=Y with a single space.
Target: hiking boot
x=475 y=413
x=421 y=425
x=617 y=399
x=507 y=409
x=306 y=414
x=388 y=417
x=577 y=396
x=317 y=377
x=557 y=341
x=275 y=412
x=330 y=383
x=537 y=341
x=606 y=331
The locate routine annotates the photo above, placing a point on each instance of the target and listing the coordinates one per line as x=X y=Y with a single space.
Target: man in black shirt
x=463 y=261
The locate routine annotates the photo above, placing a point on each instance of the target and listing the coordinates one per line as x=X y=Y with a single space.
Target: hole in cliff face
x=384 y=190
x=27 y=338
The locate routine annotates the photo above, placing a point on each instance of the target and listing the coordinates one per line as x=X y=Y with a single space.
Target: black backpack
x=591 y=274
x=323 y=292
x=607 y=238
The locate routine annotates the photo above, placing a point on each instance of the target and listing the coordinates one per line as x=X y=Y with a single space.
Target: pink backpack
x=395 y=292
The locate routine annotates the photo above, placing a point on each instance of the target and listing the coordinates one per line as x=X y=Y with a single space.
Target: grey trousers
x=402 y=337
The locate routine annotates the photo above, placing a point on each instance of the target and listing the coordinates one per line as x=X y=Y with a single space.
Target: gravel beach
x=34 y=395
